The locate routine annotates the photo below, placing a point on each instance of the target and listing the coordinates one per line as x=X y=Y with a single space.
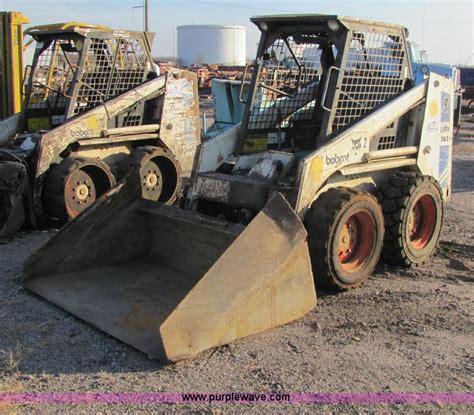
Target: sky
x=444 y=28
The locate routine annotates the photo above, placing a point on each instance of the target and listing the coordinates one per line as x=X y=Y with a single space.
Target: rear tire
x=160 y=174
x=413 y=210
x=345 y=236
x=74 y=185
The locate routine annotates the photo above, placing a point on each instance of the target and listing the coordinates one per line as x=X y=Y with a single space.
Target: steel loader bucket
x=173 y=283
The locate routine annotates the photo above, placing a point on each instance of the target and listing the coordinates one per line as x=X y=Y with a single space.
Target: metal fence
x=112 y=66
x=53 y=74
x=288 y=82
x=373 y=74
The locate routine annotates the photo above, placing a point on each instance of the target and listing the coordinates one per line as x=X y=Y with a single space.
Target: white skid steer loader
x=94 y=108
x=339 y=158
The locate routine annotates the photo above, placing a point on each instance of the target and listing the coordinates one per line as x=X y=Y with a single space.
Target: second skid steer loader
x=94 y=108
x=339 y=158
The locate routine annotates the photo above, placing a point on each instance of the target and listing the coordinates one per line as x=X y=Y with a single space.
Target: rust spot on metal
x=138 y=319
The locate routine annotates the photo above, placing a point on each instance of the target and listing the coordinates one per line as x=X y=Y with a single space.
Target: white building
x=211 y=44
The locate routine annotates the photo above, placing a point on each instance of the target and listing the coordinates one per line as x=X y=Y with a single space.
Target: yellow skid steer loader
x=340 y=158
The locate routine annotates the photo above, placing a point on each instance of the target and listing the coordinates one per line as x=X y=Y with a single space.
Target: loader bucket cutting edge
x=173 y=283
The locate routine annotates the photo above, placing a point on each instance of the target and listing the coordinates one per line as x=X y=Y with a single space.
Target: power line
x=239 y=6
x=423 y=20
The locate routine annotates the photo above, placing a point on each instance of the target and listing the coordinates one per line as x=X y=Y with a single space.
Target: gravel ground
x=406 y=330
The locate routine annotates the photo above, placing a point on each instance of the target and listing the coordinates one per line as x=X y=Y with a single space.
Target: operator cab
x=316 y=76
x=78 y=66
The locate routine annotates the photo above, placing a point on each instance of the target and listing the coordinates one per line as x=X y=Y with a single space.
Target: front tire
x=413 y=210
x=74 y=185
x=345 y=236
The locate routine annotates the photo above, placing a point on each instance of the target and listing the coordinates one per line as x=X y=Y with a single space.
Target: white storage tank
x=211 y=44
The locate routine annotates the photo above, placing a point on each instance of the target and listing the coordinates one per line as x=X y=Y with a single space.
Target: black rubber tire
x=12 y=214
x=56 y=180
x=169 y=173
x=398 y=198
x=324 y=223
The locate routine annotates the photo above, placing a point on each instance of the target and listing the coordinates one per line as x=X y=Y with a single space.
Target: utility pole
x=145 y=14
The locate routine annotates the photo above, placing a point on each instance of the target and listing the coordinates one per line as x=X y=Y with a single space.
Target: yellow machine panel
x=11 y=62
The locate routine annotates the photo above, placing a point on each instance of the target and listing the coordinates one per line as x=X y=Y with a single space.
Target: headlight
x=333 y=25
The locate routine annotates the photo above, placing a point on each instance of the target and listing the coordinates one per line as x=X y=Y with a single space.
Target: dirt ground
x=406 y=330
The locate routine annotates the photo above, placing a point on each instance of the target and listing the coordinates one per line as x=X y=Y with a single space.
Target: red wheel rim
x=422 y=222
x=356 y=241
x=152 y=180
x=79 y=193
